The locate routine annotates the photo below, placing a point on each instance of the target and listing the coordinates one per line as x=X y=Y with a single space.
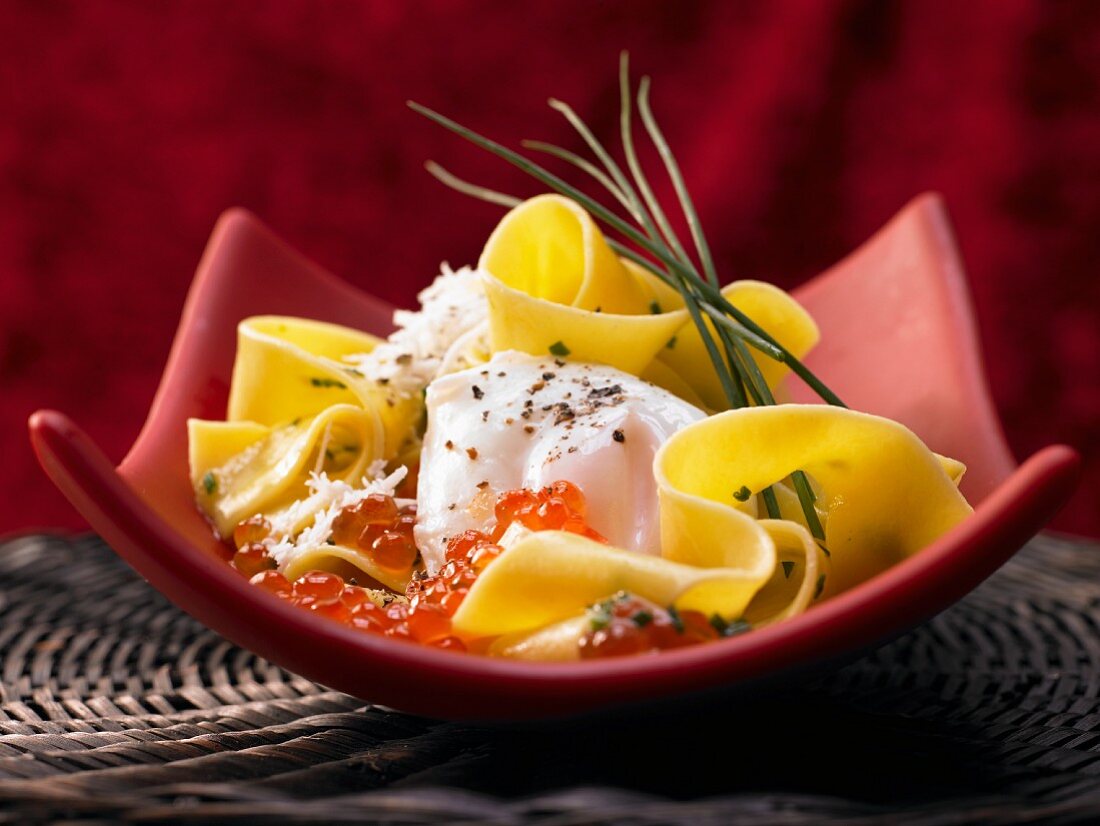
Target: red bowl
x=898 y=339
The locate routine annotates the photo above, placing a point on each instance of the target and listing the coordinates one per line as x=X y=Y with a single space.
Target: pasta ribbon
x=549 y=248
x=519 y=321
x=555 y=286
x=551 y=576
x=883 y=493
x=348 y=562
x=290 y=368
x=243 y=468
x=294 y=407
x=559 y=642
x=789 y=591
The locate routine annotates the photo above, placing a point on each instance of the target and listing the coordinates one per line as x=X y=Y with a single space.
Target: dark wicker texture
x=116 y=707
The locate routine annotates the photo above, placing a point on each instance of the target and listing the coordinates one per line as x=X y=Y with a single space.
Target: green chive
x=654 y=308
x=736 y=627
x=635 y=165
x=728 y=628
x=677 y=621
x=209 y=483
x=642 y=618
x=819 y=586
x=742 y=494
x=771 y=504
x=788 y=567
x=622 y=184
x=321 y=381
x=583 y=166
x=599 y=619
x=737 y=372
x=677 y=179
x=479 y=192
x=558 y=348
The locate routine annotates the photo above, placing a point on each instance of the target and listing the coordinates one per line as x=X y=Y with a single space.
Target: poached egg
x=522 y=421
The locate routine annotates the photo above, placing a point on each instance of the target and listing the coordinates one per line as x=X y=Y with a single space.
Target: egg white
x=526 y=421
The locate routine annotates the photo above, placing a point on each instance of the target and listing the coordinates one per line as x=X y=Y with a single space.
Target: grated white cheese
x=451 y=309
x=327 y=498
x=452 y=322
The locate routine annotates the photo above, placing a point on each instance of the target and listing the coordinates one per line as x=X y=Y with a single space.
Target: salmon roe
x=382 y=530
x=557 y=507
x=252 y=559
x=629 y=624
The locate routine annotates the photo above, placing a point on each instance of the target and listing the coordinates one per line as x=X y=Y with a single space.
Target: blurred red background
x=126 y=128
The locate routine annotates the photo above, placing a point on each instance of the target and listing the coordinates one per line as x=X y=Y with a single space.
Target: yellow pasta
x=549 y=248
x=294 y=407
x=270 y=471
x=551 y=575
x=290 y=368
x=554 y=286
x=349 y=561
x=883 y=493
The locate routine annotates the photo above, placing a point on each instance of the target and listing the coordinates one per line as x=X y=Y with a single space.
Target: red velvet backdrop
x=125 y=128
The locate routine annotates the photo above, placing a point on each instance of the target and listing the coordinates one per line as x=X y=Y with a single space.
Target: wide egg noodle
x=660 y=374
x=291 y=368
x=555 y=286
x=294 y=408
x=345 y=561
x=271 y=472
x=790 y=507
x=789 y=591
x=210 y=444
x=792 y=587
x=884 y=494
x=549 y=248
x=519 y=321
x=552 y=575
x=557 y=642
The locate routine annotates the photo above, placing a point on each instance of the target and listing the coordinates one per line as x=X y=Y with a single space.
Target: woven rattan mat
x=115 y=707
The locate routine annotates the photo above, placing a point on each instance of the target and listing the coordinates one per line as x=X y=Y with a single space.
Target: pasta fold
x=291 y=368
x=555 y=286
x=243 y=468
x=295 y=407
x=549 y=248
x=552 y=575
x=789 y=591
x=883 y=494
x=348 y=562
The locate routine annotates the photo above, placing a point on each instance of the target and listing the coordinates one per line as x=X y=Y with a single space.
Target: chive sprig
x=657 y=249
